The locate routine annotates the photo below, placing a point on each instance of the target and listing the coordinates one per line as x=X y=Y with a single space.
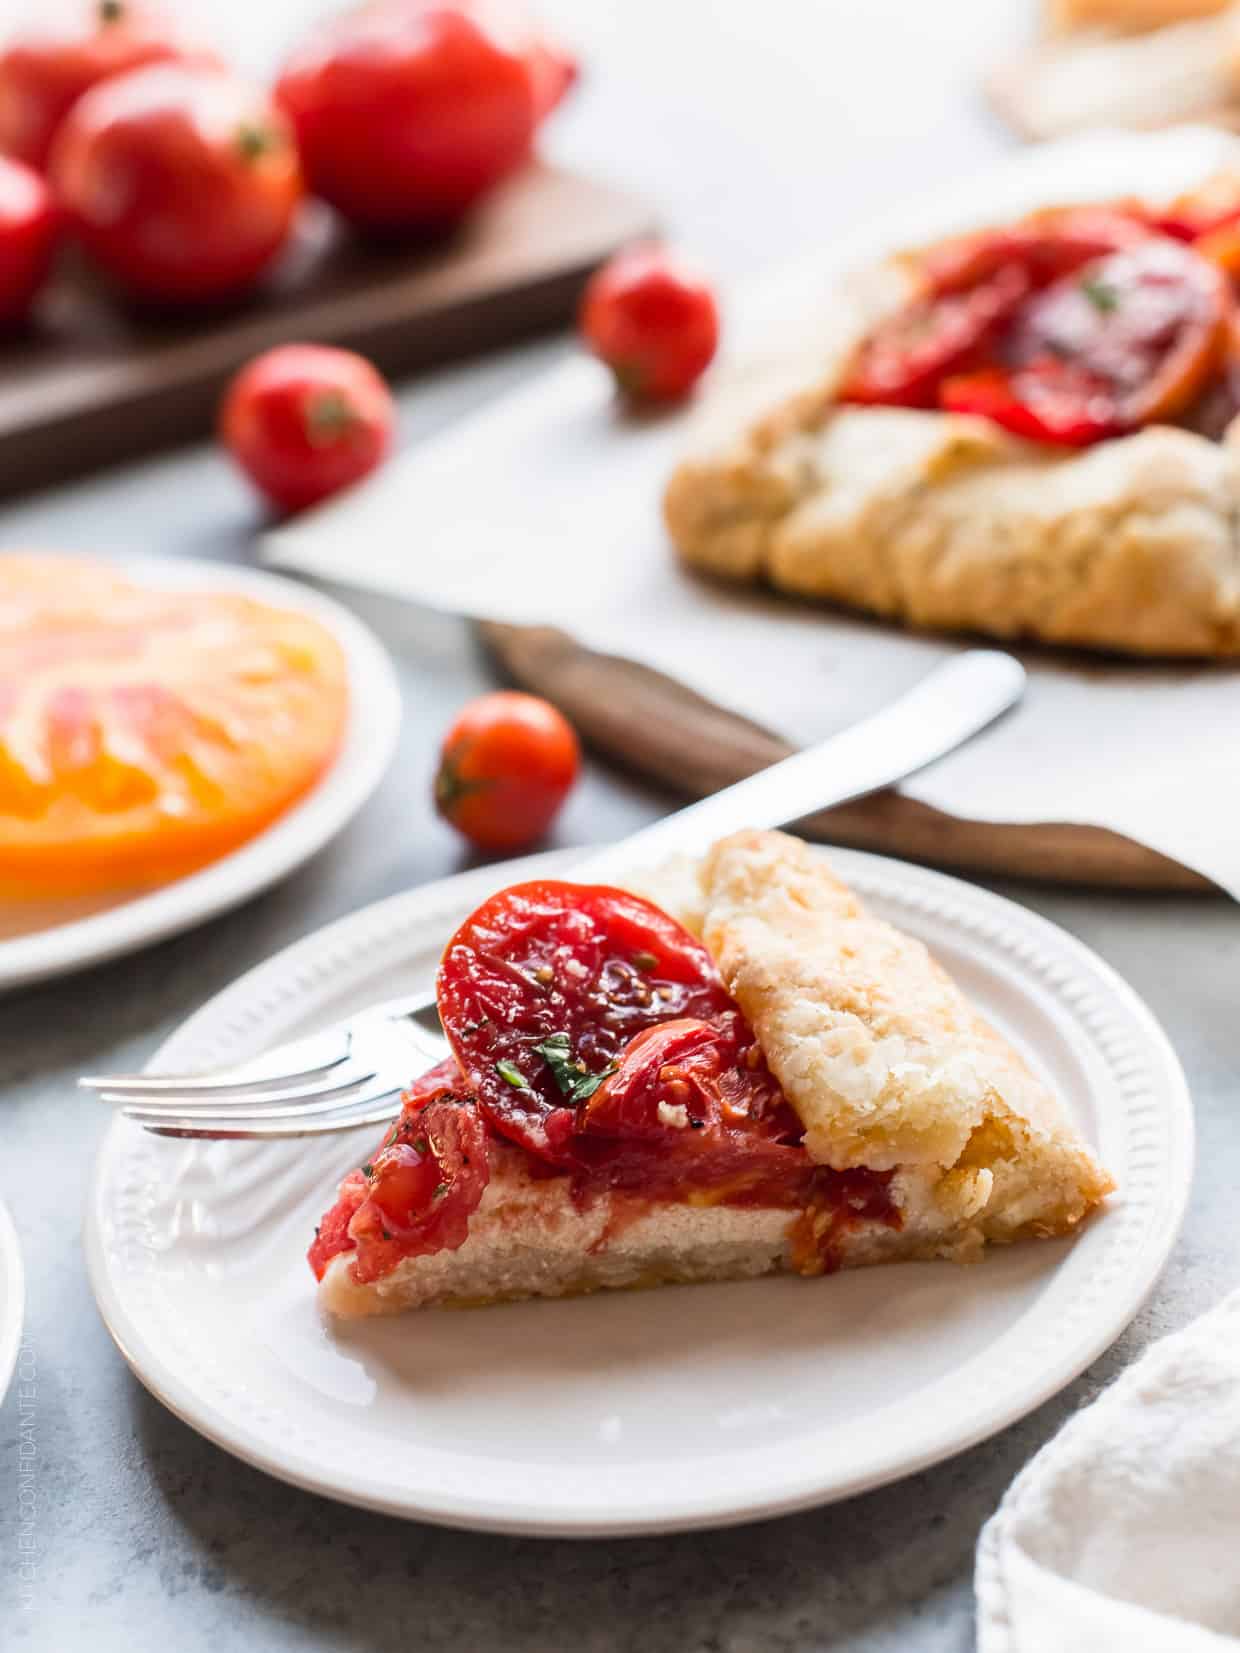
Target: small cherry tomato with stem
x=27 y=239
x=305 y=420
x=506 y=766
x=653 y=320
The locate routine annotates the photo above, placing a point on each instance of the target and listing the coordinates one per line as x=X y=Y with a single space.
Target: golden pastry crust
x=947 y=522
x=880 y=1053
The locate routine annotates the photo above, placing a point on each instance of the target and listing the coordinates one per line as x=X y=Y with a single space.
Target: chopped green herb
x=440 y=1189
x=1102 y=296
x=512 y=1073
x=574 y=1082
x=645 y=961
x=368 y=1169
x=421 y=1145
x=585 y=1088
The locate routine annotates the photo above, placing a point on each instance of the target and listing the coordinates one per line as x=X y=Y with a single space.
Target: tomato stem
x=329 y=415
x=255 y=141
x=450 y=788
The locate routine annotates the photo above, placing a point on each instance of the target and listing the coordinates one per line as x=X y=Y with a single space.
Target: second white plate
x=12 y=1298
x=631 y=1412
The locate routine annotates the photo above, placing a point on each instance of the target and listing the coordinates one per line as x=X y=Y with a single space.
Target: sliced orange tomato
x=144 y=732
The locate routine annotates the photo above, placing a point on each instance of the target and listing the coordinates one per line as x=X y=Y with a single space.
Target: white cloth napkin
x=545 y=509
x=1124 y=1531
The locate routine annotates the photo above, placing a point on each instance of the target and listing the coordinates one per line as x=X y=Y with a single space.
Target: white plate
x=628 y=1412
x=12 y=1298
x=369 y=742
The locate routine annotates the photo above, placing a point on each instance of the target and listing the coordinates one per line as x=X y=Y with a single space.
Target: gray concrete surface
x=791 y=119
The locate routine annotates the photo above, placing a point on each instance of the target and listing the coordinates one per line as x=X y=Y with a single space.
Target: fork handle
x=949 y=705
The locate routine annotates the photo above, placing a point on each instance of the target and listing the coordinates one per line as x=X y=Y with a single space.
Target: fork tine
x=278 y=1105
x=300 y=1061
x=209 y=1085
x=206 y=1099
x=226 y=1129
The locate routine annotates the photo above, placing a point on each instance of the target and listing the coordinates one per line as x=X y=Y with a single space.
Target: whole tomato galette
x=1033 y=435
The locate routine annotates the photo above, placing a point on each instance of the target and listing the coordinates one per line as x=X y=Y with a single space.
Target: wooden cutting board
x=668 y=733
x=93 y=382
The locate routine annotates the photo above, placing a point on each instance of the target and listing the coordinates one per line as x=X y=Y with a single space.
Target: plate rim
x=12 y=1290
x=1144 y=1264
x=348 y=782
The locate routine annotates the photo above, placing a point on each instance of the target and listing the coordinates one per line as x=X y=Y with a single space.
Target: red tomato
x=905 y=360
x=653 y=321
x=972 y=287
x=45 y=69
x=544 y=986
x=555 y=73
x=422 y=1186
x=1212 y=206
x=1047 y=244
x=506 y=766
x=27 y=238
x=303 y=421
x=417 y=1194
x=1127 y=341
x=407 y=111
x=181 y=183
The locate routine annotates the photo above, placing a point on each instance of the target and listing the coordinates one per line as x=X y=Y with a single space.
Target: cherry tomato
x=506 y=766
x=543 y=987
x=407 y=111
x=182 y=184
x=303 y=421
x=653 y=320
x=27 y=238
x=1127 y=341
x=45 y=69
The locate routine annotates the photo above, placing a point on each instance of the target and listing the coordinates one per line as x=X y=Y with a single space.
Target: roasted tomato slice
x=689 y=1075
x=906 y=358
x=417 y=1194
x=1046 y=245
x=544 y=986
x=1200 y=211
x=1126 y=341
x=971 y=288
x=331 y=1237
x=693 y=1111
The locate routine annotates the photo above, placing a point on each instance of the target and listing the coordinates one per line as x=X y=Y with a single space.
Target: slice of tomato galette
x=772 y=1080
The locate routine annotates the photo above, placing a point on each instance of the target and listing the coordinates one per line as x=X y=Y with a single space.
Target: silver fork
x=352 y=1073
